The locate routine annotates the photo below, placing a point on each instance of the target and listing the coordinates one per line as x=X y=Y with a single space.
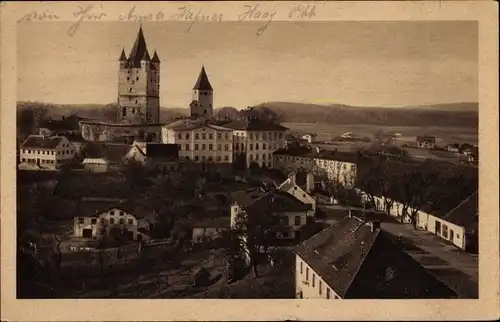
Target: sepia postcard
x=246 y=160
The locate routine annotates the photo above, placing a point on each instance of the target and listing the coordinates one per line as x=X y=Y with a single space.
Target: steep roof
x=160 y=150
x=274 y=200
x=111 y=152
x=139 y=50
x=40 y=142
x=203 y=83
x=254 y=125
x=123 y=57
x=358 y=262
x=155 y=59
x=465 y=214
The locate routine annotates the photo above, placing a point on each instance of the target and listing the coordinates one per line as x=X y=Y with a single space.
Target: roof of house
x=272 y=200
x=41 y=142
x=464 y=214
x=360 y=263
x=160 y=150
x=254 y=125
x=139 y=50
x=333 y=155
x=286 y=185
x=94 y=161
x=111 y=152
x=203 y=83
x=426 y=138
x=92 y=207
x=188 y=125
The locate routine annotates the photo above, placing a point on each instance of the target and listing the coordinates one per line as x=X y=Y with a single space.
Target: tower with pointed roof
x=139 y=85
x=202 y=103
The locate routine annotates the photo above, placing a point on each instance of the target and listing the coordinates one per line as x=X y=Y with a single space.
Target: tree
x=254 y=230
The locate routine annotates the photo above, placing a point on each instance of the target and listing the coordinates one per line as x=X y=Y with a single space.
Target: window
x=226 y=147
x=81 y=220
x=314 y=280
x=112 y=213
x=137 y=78
x=187 y=146
x=218 y=158
x=226 y=136
x=256 y=157
x=210 y=147
x=256 y=146
x=226 y=158
x=251 y=147
x=320 y=287
x=219 y=147
x=93 y=221
x=209 y=159
x=264 y=157
x=130 y=221
x=297 y=220
x=203 y=136
x=263 y=146
x=196 y=146
x=111 y=221
x=196 y=158
x=122 y=221
x=210 y=136
x=187 y=136
x=327 y=293
x=179 y=136
x=102 y=220
x=307 y=273
x=251 y=157
x=445 y=231
x=121 y=213
x=196 y=136
x=203 y=146
x=219 y=136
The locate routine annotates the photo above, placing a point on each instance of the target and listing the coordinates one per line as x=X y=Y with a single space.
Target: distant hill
x=458 y=114
x=105 y=112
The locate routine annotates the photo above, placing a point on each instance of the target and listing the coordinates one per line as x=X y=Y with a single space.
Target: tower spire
x=203 y=83
x=155 y=59
x=122 y=56
x=139 y=50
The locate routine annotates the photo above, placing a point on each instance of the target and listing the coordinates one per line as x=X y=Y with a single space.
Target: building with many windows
x=355 y=259
x=339 y=167
x=41 y=152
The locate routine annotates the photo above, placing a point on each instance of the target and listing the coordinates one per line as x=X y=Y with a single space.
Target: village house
x=426 y=142
x=274 y=202
x=104 y=156
x=39 y=152
x=308 y=138
x=154 y=156
x=336 y=166
x=355 y=259
x=96 y=217
x=290 y=186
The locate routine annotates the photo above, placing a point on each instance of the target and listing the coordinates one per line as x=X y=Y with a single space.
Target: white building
x=291 y=187
x=338 y=167
x=200 y=141
x=42 y=152
x=355 y=259
x=255 y=141
x=97 y=217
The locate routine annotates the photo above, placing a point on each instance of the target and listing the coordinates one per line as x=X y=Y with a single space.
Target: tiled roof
x=357 y=262
x=111 y=152
x=139 y=50
x=94 y=207
x=286 y=185
x=254 y=125
x=203 y=83
x=333 y=155
x=160 y=150
x=273 y=201
x=40 y=142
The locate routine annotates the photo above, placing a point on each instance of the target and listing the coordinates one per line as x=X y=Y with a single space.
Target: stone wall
x=120 y=133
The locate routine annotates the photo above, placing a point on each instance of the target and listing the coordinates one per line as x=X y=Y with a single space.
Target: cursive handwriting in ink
x=253 y=13
x=186 y=13
x=303 y=11
x=39 y=16
x=139 y=17
x=84 y=13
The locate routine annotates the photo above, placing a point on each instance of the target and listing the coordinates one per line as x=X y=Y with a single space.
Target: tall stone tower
x=203 y=99
x=139 y=85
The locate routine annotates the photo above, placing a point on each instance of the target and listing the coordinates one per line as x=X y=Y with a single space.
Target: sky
x=385 y=64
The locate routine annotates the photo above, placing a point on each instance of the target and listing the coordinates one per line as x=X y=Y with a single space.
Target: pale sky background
x=355 y=63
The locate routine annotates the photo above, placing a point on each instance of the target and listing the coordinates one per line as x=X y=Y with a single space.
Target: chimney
x=309 y=182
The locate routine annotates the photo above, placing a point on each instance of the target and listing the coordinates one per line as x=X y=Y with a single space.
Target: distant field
x=444 y=135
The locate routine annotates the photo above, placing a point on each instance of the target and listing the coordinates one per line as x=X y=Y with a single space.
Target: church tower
x=202 y=103
x=139 y=85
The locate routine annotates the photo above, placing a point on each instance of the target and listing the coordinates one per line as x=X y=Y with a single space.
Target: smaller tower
x=123 y=59
x=202 y=102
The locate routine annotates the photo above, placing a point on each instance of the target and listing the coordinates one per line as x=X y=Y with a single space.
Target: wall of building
x=444 y=232
x=205 y=103
x=49 y=158
x=304 y=283
x=113 y=218
x=112 y=132
x=303 y=196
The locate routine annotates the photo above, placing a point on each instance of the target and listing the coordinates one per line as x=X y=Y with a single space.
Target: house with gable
x=40 y=152
x=355 y=259
x=291 y=187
